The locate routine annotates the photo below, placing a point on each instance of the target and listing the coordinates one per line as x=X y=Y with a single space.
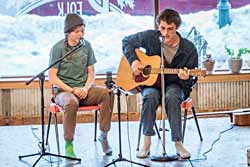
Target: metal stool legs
x=96 y=112
x=196 y=122
x=56 y=131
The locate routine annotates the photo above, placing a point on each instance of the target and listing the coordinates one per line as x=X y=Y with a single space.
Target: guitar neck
x=165 y=71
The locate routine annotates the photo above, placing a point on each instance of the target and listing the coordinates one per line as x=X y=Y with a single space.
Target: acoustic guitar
x=151 y=68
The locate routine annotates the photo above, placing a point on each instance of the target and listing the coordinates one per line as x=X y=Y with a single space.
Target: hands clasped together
x=80 y=92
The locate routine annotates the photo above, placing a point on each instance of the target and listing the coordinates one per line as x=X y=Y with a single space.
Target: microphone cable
x=128 y=137
x=50 y=159
x=212 y=145
x=209 y=150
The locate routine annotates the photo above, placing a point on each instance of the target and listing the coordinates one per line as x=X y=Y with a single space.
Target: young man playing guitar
x=178 y=53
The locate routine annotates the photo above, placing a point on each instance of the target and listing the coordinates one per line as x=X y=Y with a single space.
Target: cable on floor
x=212 y=145
x=49 y=159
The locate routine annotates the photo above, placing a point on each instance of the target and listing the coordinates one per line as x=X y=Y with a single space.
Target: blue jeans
x=151 y=98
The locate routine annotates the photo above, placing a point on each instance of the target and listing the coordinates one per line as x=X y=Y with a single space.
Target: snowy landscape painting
x=25 y=40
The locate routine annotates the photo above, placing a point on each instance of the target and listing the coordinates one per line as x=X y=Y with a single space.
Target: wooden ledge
x=225 y=76
x=19 y=82
x=221 y=76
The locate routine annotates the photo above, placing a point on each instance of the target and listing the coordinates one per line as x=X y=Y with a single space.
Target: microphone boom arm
x=53 y=64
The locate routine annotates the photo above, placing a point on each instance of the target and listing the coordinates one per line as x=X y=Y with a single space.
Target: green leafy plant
x=239 y=54
x=242 y=51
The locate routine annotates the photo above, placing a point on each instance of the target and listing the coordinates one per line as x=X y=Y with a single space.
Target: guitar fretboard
x=165 y=71
x=192 y=72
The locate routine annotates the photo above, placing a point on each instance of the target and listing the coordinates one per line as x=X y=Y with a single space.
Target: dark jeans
x=151 y=98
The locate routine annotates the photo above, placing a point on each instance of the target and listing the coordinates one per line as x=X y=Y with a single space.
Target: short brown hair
x=169 y=16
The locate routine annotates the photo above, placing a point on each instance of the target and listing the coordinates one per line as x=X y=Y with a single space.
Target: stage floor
x=229 y=151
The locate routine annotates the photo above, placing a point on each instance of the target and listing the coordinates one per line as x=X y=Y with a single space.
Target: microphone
x=109 y=82
x=82 y=42
x=161 y=39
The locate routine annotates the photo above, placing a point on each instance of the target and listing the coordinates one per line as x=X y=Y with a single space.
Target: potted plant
x=208 y=63
x=235 y=60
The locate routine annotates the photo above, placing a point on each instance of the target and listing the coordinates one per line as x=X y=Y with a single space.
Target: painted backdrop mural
x=90 y=7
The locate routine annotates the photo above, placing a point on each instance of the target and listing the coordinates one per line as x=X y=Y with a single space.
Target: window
x=200 y=24
x=29 y=28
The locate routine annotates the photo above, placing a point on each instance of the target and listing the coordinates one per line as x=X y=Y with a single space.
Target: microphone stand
x=41 y=77
x=164 y=157
x=120 y=158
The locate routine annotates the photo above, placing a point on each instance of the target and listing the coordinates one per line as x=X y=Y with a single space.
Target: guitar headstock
x=198 y=72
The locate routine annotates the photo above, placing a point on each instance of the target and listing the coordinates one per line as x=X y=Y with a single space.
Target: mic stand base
x=124 y=159
x=120 y=158
x=42 y=146
x=163 y=158
x=44 y=153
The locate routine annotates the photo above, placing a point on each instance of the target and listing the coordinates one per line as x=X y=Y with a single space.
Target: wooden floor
x=229 y=151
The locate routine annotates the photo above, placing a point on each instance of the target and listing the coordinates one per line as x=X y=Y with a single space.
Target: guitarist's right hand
x=137 y=67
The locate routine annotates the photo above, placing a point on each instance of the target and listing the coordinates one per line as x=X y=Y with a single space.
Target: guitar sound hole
x=147 y=70
x=140 y=78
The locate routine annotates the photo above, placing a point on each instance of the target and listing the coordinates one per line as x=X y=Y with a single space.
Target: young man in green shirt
x=74 y=77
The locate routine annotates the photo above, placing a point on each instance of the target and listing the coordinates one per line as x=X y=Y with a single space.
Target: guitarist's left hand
x=183 y=73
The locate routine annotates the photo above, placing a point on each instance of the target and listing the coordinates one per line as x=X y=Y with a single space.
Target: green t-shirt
x=73 y=69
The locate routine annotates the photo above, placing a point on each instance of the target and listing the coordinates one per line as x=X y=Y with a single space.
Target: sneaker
x=69 y=150
x=106 y=148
